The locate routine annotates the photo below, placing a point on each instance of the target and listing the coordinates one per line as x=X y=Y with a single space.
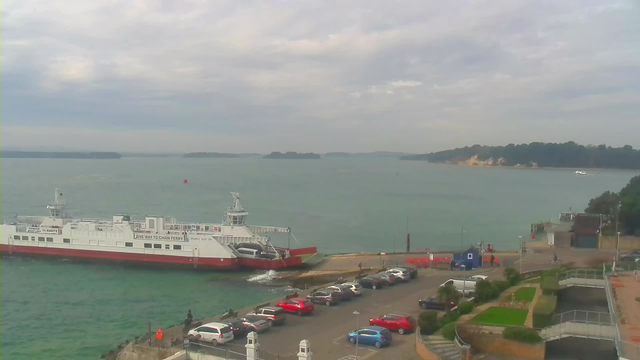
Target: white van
x=464 y=286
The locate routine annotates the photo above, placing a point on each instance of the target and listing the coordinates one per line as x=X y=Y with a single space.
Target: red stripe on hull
x=303 y=251
x=214 y=263
x=270 y=264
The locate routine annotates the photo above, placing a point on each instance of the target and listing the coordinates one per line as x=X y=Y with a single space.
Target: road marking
x=339 y=338
x=361 y=357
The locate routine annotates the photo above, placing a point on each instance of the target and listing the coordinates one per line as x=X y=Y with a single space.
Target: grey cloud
x=351 y=76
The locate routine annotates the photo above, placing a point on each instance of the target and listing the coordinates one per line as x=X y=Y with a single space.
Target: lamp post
x=357 y=314
x=520 y=238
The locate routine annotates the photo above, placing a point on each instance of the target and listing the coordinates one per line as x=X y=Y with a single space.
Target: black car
x=631 y=256
x=413 y=272
x=238 y=327
x=434 y=304
x=386 y=279
x=343 y=292
x=324 y=297
x=370 y=283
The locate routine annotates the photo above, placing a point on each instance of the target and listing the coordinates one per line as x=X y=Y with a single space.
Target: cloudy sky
x=245 y=76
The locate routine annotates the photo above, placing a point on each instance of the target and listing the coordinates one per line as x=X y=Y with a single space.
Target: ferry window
x=128 y=244
x=152 y=224
x=50 y=239
x=177 y=247
x=206 y=228
x=16 y=237
x=33 y=238
x=40 y=238
x=157 y=246
x=148 y=245
x=167 y=246
x=25 y=238
x=66 y=241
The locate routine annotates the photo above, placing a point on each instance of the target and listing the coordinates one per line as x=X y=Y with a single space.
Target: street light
x=520 y=237
x=357 y=331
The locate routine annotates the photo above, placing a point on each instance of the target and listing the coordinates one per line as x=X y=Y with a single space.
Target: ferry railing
x=594 y=274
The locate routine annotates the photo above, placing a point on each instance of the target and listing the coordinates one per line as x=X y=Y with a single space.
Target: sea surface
x=60 y=310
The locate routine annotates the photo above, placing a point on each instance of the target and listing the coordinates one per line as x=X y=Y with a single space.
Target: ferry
x=156 y=240
x=580 y=172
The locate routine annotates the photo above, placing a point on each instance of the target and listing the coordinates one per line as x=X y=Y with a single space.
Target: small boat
x=580 y=172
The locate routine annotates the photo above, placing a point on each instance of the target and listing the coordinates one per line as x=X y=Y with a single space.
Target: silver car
x=355 y=287
x=255 y=323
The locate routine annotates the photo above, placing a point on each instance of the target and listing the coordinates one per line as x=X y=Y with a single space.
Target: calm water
x=54 y=309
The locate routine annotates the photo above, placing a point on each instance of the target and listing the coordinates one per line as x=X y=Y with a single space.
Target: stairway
x=445 y=349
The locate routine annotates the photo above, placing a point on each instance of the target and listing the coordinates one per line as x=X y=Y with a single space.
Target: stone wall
x=142 y=352
x=497 y=345
x=626 y=243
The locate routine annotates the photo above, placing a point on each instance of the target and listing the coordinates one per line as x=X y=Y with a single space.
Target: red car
x=400 y=322
x=297 y=305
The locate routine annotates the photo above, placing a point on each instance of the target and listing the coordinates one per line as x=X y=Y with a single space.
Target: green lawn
x=501 y=316
x=525 y=293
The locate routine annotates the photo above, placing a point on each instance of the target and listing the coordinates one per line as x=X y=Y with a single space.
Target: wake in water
x=264 y=277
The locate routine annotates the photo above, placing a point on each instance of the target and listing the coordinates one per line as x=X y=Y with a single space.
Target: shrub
x=501 y=285
x=428 y=322
x=512 y=275
x=549 y=284
x=521 y=334
x=449 y=331
x=465 y=307
x=485 y=291
x=543 y=310
x=449 y=318
x=448 y=294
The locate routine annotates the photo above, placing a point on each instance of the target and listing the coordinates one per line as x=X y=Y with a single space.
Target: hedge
x=465 y=307
x=449 y=318
x=501 y=285
x=449 y=331
x=485 y=291
x=550 y=285
x=521 y=334
x=543 y=310
x=428 y=322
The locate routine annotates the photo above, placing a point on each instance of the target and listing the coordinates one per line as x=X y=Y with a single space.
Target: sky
x=284 y=75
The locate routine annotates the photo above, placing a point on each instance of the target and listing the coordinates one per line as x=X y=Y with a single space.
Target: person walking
x=493 y=258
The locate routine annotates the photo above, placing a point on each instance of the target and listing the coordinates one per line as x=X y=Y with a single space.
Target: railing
x=626 y=350
x=582 y=317
x=582 y=274
x=465 y=349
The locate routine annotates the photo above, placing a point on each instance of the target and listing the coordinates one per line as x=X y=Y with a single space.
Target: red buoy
x=185 y=181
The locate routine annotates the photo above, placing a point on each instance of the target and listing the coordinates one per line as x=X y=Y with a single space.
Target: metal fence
x=582 y=274
x=582 y=317
x=233 y=351
x=626 y=350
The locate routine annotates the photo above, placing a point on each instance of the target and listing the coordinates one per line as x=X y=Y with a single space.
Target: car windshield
x=251 y=318
x=411 y=319
x=307 y=302
x=225 y=330
x=384 y=332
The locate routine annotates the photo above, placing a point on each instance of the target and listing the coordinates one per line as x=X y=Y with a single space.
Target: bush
x=465 y=307
x=512 y=275
x=428 y=322
x=449 y=331
x=549 y=285
x=521 y=334
x=485 y=291
x=501 y=285
x=543 y=310
x=449 y=318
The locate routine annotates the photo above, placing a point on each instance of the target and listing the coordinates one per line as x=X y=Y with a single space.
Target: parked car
x=273 y=315
x=413 y=272
x=386 y=278
x=344 y=292
x=630 y=256
x=238 y=328
x=255 y=323
x=370 y=282
x=297 y=305
x=355 y=287
x=478 y=277
x=434 y=304
x=214 y=333
x=324 y=297
x=371 y=335
x=403 y=275
x=400 y=322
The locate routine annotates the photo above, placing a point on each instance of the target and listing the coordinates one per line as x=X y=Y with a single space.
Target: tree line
x=540 y=154
x=623 y=206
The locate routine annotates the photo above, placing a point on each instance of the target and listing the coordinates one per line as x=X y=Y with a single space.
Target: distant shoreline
x=527 y=168
x=59 y=155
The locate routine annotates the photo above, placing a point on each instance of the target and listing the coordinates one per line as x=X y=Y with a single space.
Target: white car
x=401 y=273
x=355 y=287
x=478 y=277
x=214 y=333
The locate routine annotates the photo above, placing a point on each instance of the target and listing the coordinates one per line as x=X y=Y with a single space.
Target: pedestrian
x=493 y=258
x=188 y=320
x=360 y=266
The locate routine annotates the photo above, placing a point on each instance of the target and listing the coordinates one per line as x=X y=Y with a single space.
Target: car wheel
x=401 y=331
x=374 y=287
x=328 y=303
x=352 y=340
x=378 y=344
x=299 y=312
x=214 y=342
x=424 y=306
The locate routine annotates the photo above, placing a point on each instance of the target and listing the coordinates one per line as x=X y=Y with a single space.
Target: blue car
x=371 y=335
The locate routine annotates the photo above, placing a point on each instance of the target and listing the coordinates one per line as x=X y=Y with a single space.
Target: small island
x=210 y=155
x=537 y=154
x=58 y=155
x=291 y=155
